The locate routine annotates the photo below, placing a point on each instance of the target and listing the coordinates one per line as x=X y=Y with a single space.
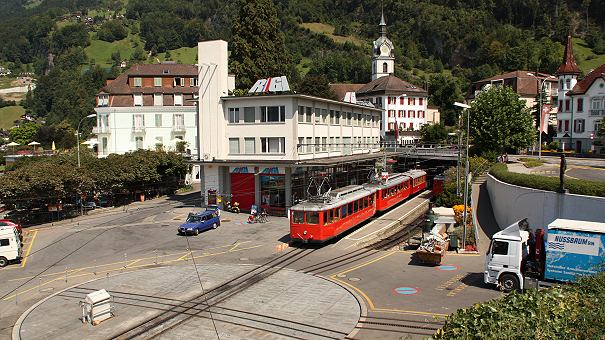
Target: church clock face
x=384 y=50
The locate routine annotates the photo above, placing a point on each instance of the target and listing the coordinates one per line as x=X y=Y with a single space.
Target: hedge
x=574 y=186
x=567 y=312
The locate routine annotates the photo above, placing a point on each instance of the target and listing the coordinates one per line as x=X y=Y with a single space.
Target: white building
x=148 y=107
x=403 y=105
x=257 y=149
x=581 y=105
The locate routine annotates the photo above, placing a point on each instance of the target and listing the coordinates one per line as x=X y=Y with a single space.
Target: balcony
x=100 y=129
x=138 y=129
x=178 y=128
x=597 y=112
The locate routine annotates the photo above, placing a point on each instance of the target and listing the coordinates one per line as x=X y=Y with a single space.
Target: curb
x=363 y=309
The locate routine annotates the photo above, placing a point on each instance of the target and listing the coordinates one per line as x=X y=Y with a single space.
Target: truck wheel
x=214 y=226
x=508 y=283
x=3 y=261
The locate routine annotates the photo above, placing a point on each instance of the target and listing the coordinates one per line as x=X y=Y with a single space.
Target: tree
x=112 y=30
x=70 y=36
x=444 y=90
x=433 y=133
x=257 y=45
x=316 y=86
x=24 y=133
x=500 y=121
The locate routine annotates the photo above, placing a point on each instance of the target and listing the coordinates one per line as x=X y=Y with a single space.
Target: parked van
x=10 y=245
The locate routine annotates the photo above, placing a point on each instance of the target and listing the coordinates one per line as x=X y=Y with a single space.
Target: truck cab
x=10 y=245
x=504 y=256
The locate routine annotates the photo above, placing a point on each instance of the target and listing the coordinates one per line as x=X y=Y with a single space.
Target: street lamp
x=540 y=111
x=458 y=133
x=78 y=134
x=466 y=166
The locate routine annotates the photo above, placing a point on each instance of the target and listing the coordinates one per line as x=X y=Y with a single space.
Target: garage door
x=242 y=189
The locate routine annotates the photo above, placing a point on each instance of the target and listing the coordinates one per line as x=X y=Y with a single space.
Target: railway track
x=398 y=326
x=184 y=311
x=273 y=325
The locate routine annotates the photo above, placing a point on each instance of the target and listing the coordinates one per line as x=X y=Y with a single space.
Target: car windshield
x=194 y=219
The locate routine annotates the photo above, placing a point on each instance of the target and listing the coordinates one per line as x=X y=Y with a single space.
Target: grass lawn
x=101 y=51
x=6 y=82
x=328 y=30
x=531 y=162
x=9 y=114
x=184 y=55
x=583 y=52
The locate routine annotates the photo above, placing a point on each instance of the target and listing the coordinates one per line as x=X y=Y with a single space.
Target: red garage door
x=242 y=189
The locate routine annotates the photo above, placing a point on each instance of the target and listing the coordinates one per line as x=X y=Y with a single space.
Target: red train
x=320 y=220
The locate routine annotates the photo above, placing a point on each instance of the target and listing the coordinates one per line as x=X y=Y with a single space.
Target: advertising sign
x=545 y=118
x=276 y=84
x=570 y=254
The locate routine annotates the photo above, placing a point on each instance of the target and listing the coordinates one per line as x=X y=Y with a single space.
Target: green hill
x=8 y=115
x=587 y=59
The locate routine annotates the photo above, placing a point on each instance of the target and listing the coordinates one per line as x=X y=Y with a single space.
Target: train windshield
x=313 y=217
x=298 y=217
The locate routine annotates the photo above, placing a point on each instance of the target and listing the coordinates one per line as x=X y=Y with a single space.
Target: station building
x=267 y=148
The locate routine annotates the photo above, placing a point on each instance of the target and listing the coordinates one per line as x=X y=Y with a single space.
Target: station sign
x=275 y=84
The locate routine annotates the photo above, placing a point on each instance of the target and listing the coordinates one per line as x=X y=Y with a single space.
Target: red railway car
x=320 y=220
x=394 y=190
x=418 y=180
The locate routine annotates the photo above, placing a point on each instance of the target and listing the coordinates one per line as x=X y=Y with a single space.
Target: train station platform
x=284 y=305
x=389 y=223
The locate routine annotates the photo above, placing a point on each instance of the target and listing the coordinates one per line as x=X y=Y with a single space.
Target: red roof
x=342 y=89
x=525 y=83
x=120 y=84
x=390 y=85
x=583 y=85
x=569 y=65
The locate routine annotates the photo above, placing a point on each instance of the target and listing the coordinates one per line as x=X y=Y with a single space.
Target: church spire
x=569 y=65
x=383 y=24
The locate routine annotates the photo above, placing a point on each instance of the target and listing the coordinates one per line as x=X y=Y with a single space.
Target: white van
x=10 y=245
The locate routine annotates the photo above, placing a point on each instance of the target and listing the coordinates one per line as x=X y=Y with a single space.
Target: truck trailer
x=566 y=250
x=10 y=245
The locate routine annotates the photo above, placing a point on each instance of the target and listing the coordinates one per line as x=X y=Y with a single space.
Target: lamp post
x=466 y=166
x=78 y=134
x=541 y=89
x=458 y=133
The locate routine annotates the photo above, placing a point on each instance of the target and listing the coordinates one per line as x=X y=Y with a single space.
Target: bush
x=531 y=162
x=448 y=197
x=580 y=187
x=111 y=31
x=567 y=312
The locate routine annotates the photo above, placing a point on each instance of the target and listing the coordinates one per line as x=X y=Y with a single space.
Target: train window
x=312 y=217
x=372 y=200
x=356 y=206
x=350 y=209
x=298 y=217
x=335 y=217
x=364 y=201
x=343 y=211
x=329 y=217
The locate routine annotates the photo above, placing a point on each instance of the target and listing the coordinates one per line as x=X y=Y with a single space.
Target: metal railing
x=178 y=128
x=138 y=129
x=100 y=129
x=597 y=112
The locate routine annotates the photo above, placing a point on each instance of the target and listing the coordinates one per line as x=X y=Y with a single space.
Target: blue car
x=198 y=222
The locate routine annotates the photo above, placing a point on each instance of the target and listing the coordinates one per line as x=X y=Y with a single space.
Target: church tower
x=383 y=57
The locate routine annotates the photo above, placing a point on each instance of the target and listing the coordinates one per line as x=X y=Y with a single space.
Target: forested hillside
x=440 y=44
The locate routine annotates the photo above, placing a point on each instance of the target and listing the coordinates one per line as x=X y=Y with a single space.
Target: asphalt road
x=400 y=298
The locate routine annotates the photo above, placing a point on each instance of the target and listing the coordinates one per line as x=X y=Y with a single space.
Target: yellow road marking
x=400 y=311
x=449 y=282
x=116 y=270
x=365 y=296
x=29 y=249
x=122 y=262
x=457 y=290
x=367 y=263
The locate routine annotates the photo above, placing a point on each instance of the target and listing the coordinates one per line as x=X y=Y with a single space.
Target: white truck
x=566 y=250
x=10 y=245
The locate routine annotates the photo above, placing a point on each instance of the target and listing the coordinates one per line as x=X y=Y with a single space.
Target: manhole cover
x=341 y=275
x=243 y=259
x=354 y=279
x=46 y=290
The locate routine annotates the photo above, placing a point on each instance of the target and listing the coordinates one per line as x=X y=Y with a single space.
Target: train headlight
x=305 y=232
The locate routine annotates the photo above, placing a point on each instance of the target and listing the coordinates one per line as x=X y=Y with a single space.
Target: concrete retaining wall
x=511 y=203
